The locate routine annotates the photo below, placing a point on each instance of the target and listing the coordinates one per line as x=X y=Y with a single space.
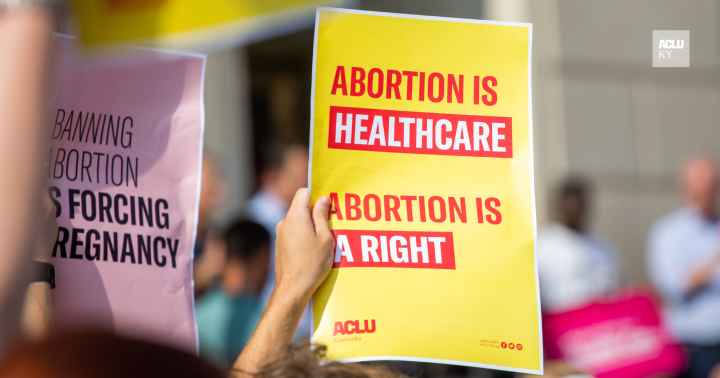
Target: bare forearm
x=303 y=252
x=274 y=333
x=25 y=38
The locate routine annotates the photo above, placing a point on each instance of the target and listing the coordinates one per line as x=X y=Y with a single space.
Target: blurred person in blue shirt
x=228 y=313
x=284 y=168
x=684 y=265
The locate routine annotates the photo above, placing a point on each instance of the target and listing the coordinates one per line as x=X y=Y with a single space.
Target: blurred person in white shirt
x=575 y=267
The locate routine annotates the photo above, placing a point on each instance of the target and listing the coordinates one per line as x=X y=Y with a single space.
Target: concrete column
x=551 y=154
x=227 y=124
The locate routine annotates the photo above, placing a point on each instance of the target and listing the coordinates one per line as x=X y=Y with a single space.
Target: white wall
x=602 y=110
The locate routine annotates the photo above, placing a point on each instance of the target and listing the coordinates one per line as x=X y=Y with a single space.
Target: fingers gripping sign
x=304 y=246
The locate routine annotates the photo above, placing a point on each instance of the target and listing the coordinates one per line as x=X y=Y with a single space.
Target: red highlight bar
x=419 y=132
x=394 y=249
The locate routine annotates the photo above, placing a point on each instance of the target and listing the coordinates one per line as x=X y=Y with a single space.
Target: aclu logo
x=670 y=44
x=671 y=48
x=353 y=327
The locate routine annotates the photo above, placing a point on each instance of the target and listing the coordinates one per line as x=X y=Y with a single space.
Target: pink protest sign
x=124 y=166
x=619 y=337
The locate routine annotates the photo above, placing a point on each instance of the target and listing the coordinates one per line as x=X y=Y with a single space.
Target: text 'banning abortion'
x=419 y=132
x=394 y=249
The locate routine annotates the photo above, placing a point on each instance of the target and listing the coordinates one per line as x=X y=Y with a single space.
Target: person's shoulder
x=557 y=233
x=670 y=227
x=554 y=239
x=254 y=203
x=212 y=298
x=552 y=231
x=672 y=220
x=601 y=244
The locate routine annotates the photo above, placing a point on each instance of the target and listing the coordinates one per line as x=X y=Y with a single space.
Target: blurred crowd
x=234 y=266
x=683 y=257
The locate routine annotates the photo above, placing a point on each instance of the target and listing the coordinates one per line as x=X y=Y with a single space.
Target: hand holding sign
x=304 y=247
x=303 y=257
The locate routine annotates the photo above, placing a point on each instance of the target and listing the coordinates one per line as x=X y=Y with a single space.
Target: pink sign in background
x=619 y=337
x=124 y=169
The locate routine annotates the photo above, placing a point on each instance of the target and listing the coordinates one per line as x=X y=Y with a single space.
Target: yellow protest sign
x=181 y=22
x=422 y=137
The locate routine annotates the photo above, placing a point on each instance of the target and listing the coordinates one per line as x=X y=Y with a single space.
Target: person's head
x=99 y=354
x=700 y=184
x=308 y=361
x=211 y=190
x=247 y=259
x=284 y=169
x=572 y=203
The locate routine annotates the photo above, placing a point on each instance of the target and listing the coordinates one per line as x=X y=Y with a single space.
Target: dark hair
x=244 y=239
x=307 y=361
x=94 y=354
x=572 y=201
x=573 y=187
x=274 y=154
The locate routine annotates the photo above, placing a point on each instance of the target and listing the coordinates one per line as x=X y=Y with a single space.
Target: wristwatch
x=44 y=272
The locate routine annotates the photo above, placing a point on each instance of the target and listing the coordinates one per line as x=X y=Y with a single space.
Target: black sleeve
x=44 y=272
